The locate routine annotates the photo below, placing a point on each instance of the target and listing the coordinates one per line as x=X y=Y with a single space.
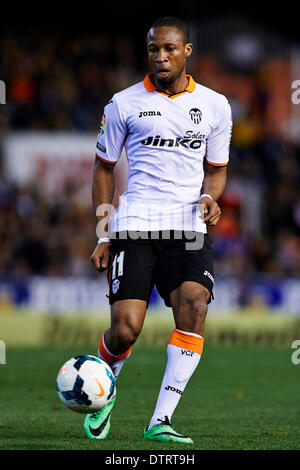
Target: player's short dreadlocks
x=173 y=21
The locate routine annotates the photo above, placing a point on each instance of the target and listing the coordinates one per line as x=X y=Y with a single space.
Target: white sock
x=117 y=366
x=181 y=365
x=115 y=362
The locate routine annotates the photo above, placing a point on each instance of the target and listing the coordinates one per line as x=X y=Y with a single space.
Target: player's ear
x=188 y=49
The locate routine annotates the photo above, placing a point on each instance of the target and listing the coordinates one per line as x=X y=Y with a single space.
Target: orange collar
x=149 y=85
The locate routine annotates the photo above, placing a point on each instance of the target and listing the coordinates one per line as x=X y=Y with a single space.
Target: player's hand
x=101 y=256
x=211 y=211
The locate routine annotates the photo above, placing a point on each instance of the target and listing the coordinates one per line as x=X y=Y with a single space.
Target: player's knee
x=198 y=306
x=197 y=309
x=192 y=313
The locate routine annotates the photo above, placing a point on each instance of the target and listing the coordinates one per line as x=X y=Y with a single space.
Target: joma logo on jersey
x=149 y=113
x=185 y=142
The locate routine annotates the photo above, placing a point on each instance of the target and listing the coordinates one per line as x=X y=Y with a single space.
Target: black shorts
x=137 y=265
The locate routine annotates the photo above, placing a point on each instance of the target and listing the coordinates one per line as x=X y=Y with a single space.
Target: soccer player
x=170 y=126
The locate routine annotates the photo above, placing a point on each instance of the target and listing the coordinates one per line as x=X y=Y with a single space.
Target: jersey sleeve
x=112 y=134
x=218 y=142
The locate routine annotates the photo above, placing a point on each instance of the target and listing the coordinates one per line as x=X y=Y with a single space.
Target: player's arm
x=102 y=190
x=213 y=184
x=217 y=156
x=109 y=146
x=102 y=195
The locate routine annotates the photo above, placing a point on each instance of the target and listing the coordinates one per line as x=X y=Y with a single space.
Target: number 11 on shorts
x=119 y=260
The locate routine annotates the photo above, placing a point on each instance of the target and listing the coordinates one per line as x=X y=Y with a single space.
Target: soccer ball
x=85 y=383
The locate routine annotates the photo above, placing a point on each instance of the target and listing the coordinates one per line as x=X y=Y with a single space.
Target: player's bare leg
x=127 y=318
x=189 y=303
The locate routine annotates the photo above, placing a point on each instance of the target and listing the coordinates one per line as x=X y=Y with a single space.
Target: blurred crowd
x=62 y=83
x=59 y=82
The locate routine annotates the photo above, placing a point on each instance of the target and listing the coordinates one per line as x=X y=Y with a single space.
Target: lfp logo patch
x=103 y=121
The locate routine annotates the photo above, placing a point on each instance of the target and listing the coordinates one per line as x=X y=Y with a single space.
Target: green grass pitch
x=238 y=398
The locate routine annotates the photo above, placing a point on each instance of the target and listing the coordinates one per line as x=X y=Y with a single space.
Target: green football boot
x=97 y=424
x=165 y=433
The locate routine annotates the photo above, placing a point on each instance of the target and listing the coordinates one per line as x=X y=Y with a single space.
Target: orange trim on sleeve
x=216 y=164
x=109 y=357
x=185 y=341
x=106 y=161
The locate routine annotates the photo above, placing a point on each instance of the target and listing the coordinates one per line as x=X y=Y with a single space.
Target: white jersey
x=166 y=139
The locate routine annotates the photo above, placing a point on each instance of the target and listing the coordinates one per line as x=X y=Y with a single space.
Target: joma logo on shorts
x=206 y=273
x=185 y=142
x=173 y=389
x=149 y=113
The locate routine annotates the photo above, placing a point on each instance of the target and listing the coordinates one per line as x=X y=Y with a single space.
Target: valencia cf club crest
x=115 y=286
x=195 y=115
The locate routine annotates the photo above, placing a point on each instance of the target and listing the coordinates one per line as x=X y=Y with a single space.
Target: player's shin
x=184 y=352
x=115 y=362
